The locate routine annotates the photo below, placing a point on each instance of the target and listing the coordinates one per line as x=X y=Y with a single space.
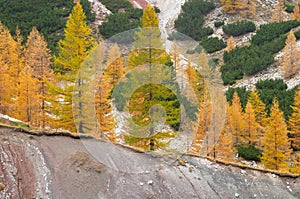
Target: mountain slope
x=62 y=167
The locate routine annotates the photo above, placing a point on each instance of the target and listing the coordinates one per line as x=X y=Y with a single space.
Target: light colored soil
x=64 y=167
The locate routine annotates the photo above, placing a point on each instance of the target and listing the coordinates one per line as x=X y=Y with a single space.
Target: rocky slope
x=63 y=167
x=171 y=9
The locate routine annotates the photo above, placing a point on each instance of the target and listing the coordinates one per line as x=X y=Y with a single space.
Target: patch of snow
x=43 y=173
x=6 y=117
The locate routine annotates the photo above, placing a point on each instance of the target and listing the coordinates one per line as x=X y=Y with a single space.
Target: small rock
x=191 y=169
x=181 y=162
x=287 y=183
x=255 y=196
x=2 y=186
x=150 y=182
x=141 y=183
x=147 y=172
x=237 y=195
x=243 y=171
x=273 y=175
x=246 y=180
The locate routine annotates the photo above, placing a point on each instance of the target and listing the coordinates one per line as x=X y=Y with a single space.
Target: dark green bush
x=258 y=56
x=239 y=28
x=115 y=5
x=242 y=93
x=268 y=32
x=297 y=34
x=218 y=23
x=245 y=60
x=213 y=44
x=48 y=16
x=191 y=20
x=289 y=8
x=269 y=89
x=120 y=22
x=249 y=152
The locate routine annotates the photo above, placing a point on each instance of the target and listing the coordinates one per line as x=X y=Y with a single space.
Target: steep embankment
x=62 y=167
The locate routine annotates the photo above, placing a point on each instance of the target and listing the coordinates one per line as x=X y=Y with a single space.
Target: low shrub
x=213 y=44
x=239 y=28
x=249 y=152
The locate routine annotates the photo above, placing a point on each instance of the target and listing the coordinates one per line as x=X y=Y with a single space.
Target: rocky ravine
x=62 y=167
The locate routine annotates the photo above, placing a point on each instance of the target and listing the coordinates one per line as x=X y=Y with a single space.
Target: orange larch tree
x=230 y=44
x=234 y=118
x=279 y=13
x=5 y=97
x=276 y=145
x=251 y=127
x=294 y=121
x=290 y=63
x=224 y=147
x=104 y=110
x=38 y=58
x=231 y=6
x=295 y=15
x=28 y=100
x=115 y=65
x=248 y=8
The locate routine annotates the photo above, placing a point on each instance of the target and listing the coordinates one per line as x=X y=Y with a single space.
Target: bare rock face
x=62 y=167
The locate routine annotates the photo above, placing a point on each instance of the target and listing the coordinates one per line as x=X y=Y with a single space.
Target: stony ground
x=63 y=167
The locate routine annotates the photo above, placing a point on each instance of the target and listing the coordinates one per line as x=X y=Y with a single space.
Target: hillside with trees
x=185 y=93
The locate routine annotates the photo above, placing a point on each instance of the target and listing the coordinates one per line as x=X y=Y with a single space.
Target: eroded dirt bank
x=63 y=167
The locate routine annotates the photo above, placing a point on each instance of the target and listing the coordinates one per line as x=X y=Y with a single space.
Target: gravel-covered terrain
x=64 y=167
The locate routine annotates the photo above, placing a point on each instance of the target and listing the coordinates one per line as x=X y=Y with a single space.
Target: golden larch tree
x=248 y=8
x=11 y=55
x=5 y=85
x=230 y=44
x=231 y=6
x=251 y=127
x=202 y=138
x=147 y=51
x=279 y=13
x=260 y=114
x=175 y=55
x=258 y=106
x=72 y=52
x=28 y=100
x=235 y=120
x=115 y=65
x=294 y=121
x=276 y=145
x=197 y=83
x=295 y=15
x=38 y=58
x=224 y=147
x=104 y=109
x=290 y=63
